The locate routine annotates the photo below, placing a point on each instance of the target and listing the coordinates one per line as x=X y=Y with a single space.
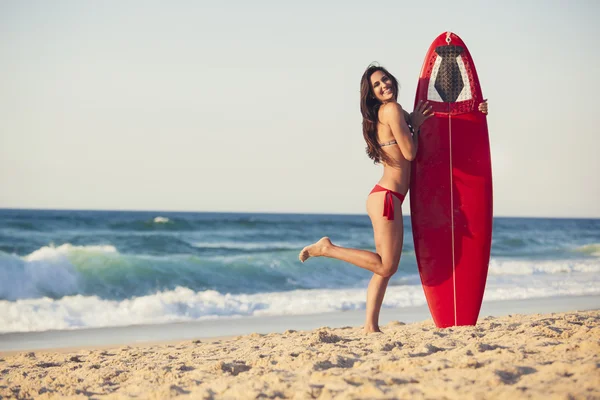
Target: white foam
x=500 y=266
x=51 y=252
x=518 y=287
x=183 y=304
x=161 y=220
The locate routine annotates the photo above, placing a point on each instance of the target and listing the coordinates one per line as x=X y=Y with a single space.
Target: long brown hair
x=369 y=107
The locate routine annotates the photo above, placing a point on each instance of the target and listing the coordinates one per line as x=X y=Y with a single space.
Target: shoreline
x=227 y=328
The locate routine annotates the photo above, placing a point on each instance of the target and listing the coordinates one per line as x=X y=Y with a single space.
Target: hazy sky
x=254 y=105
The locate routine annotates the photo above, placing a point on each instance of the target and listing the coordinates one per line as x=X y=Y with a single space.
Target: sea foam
x=183 y=304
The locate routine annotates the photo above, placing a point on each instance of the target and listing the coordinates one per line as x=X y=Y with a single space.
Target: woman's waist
x=395 y=186
x=396 y=179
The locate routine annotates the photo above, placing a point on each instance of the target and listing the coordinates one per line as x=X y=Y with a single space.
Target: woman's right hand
x=421 y=114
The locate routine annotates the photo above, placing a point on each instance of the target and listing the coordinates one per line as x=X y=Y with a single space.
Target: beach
x=106 y=304
x=553 y=355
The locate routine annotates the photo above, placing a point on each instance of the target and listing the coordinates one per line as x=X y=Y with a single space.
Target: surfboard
x=451 y=186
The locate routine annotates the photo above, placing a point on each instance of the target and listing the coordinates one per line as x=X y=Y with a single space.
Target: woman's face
x=382 y=86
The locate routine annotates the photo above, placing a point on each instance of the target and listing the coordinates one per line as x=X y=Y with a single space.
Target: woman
x=392 y=137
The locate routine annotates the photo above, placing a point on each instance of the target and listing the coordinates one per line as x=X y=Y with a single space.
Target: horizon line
x=257 y=212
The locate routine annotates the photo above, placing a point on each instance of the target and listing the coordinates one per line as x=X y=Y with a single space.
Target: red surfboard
x=451 y=186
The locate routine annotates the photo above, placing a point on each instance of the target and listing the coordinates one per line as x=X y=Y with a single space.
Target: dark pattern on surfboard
x=449 y=82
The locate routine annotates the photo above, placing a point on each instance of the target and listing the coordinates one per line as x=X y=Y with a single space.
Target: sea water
x=78 y=269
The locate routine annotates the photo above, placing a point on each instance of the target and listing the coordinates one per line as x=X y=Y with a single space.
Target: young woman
x=392 y=137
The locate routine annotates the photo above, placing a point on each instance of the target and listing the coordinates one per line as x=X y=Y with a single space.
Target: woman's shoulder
x=391 y=110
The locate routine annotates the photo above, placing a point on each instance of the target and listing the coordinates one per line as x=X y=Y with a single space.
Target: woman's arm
x=421 y=114
x=393 y=116
x=407 y=117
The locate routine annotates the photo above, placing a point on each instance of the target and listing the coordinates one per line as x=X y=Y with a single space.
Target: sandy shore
x=519 y=356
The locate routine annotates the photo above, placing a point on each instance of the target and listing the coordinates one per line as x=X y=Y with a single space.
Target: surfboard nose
x=448 y=81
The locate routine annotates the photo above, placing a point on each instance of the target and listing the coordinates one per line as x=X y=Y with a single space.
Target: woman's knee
x=388 y=269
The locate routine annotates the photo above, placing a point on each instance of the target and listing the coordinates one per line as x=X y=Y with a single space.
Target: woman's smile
x=382 y=86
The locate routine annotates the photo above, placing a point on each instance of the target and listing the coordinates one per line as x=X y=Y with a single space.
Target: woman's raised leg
x=385 y=261
x=361 y=258
x=388 y=236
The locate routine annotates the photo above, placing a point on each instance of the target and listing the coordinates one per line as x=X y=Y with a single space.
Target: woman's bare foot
x=315 y=250
x=371 y=329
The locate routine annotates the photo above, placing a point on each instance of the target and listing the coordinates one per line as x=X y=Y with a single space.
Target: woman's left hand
x=483 y=107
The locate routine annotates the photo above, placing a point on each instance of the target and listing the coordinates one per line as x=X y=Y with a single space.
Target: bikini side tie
x=388 y=201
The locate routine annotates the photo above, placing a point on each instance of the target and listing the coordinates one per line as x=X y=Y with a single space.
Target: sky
x=253 y=106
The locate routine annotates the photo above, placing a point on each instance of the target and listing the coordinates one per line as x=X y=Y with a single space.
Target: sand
x=550 y=356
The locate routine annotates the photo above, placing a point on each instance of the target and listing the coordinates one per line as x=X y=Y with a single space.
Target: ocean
x=79 y=269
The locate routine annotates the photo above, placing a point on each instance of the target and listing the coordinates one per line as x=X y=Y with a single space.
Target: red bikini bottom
x=388 y=201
